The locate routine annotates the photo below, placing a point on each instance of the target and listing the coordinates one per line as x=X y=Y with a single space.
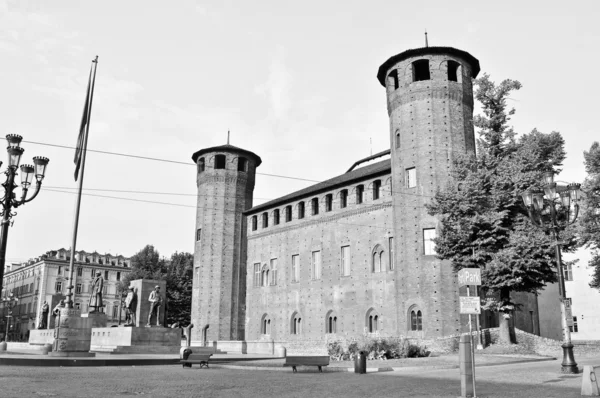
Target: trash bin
x=360 y=362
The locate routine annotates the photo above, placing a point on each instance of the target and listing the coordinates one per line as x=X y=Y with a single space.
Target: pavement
x=525 y=379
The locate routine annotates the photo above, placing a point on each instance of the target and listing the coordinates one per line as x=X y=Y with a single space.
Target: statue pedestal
x=136 y=340
x=97 y=319
x=72 y=336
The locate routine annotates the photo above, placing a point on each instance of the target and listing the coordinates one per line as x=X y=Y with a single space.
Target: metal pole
x=7 y=204
x=69 y=303
x=7 y=324
x=479 y=336
x=568 y=364
x=472 y=347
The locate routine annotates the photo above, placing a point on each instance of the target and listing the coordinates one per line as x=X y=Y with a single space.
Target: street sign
x=469 y=276
x=568 y=312
x=470 y=305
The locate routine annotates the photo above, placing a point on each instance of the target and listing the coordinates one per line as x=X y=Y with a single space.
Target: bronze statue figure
x=130 y=307
x=44 y=319
x=96 y=294
x=155 y=303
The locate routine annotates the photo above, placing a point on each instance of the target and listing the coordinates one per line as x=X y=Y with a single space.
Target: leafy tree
x=589 y=230
x=145 y=264
x=484 y=223
x=179 y=288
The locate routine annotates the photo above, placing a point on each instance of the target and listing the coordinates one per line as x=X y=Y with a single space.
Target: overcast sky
x=293 y=81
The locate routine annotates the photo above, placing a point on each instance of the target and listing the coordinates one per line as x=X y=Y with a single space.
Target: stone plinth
x=143 y=288
x=136 y=340
x=97 y=319
x=41 y=336
x=72 y=335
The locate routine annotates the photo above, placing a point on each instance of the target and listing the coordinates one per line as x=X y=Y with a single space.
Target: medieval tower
x=225 y=180
x=430 y=107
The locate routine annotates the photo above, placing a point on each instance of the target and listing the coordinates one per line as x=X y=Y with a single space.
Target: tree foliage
x=484 y=223
x=589 y=229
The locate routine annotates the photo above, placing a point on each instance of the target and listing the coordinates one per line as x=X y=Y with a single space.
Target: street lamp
x=9 y=200
x=9 y=302
x=553 y=209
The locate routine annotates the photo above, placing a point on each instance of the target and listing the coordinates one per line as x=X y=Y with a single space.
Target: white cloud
x=277 y=87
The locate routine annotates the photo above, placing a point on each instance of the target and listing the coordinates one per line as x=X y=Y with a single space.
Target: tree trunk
x=506 y=327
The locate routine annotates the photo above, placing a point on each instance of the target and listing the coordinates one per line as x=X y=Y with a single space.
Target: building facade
x=45 y=278
x=352 y=255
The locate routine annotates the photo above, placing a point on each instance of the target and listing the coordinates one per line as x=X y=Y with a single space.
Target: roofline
x=278 y=202
x=383 y=69
x=368 y=158
x=227 y=148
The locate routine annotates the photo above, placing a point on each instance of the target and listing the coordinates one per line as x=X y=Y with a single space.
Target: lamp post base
x=568 y=364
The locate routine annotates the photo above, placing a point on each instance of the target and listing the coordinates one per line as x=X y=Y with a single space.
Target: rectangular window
x=314 y=203
x=257 y=274
x=345 y=260
x=301 y=210
x=31 y=287
x=59 y=272
x=78 y=306
x=220 y=161
x=429 y=235
x=79 y=271
x=360 y=190
x=568 y=272
x=376 y=189
x=391 y=251
x=105 y=275
x=78 y=288
x=198 y=234
x=574 y=328
x=58 y=287
x=316 y=265
x=410 y=175
x=28 y=308
x=295 y=268
x=242 y=164
x=276 y=217
x=273 y=271
x=343 y=198
x=119 y=276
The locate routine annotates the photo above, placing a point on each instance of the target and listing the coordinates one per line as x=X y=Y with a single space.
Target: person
x=130 y=307
x=155 y=303
x=44 y=319
x=56 y=312
x=95 y=302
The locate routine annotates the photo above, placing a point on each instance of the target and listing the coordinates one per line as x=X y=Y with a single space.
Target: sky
x=294 y=82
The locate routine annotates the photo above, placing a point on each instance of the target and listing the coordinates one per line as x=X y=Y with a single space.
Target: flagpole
x=69 y=303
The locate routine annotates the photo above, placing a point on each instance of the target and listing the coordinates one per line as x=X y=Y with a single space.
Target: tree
x=145 y=264
x=484 y=223
x=589 y=230
x=179 y=288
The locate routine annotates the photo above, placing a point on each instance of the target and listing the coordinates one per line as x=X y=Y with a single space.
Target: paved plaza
x=531 y=379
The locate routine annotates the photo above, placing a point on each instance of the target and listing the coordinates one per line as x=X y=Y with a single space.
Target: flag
x=85 y=119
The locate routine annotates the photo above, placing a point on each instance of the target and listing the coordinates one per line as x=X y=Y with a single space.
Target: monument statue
x=96 y=294
x=155 y=303
x=130 y=307
x=44 y=320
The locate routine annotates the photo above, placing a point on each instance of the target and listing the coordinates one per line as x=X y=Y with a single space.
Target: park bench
x=318 y=361
x=201 y=359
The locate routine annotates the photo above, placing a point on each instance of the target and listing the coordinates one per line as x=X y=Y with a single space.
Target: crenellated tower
x=225 y=180
x=430 y=107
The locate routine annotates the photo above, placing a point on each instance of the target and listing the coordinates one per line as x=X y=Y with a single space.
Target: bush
x=376 y=349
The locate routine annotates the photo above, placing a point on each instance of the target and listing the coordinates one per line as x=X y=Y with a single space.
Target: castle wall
x=349 y=299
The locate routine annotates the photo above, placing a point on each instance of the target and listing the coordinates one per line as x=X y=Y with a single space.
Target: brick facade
x=348 y=256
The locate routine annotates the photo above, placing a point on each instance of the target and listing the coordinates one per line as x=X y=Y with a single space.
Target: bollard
x=360 y=362
x=589 y=382
x=46 y=348
x=466 y=366
x=3 y=346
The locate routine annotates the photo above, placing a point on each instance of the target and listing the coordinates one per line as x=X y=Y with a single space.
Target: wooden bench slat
x=318 y=361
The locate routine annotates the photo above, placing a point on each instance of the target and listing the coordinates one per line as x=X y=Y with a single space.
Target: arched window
x=360 y=189
x=265 y=276
x=220 y=161
x=276 y=217
x=377 y=258
x=420 y=70
x=296 y=323
x=397 y=139
x=201 y=165
x=331 y=322
x=265 y=219
x=328 y=202
x=300 y=209
x=254 y=223
x=314 y=204
x=392 y=80
x=288 y=213
x=372 y=320
x=343 y=198
x=376 y=189
x=416 y=320
x=453 y=71
x=265 y=324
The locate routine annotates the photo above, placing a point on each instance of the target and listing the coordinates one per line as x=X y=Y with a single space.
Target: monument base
x=97 y=319
x=71 y=354
x=72 y=335
x=136 y=340
x=41 y=336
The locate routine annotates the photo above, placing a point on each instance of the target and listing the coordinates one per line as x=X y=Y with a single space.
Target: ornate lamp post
x=9 y=302
x=9 y=201
x=553 y=209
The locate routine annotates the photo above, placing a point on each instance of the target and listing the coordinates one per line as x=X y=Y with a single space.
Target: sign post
x=470 y=305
